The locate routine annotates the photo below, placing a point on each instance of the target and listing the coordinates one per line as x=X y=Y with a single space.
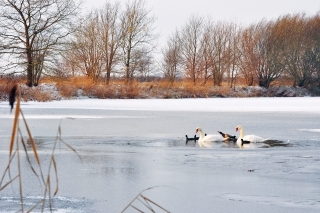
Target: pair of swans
x=243 y=140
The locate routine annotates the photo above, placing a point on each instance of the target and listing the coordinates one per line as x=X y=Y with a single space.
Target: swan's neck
x=201 y=135
x=241 y=133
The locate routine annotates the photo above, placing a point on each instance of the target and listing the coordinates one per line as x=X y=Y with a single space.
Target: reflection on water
x=39 y=142
x=193 y=143
x=47 y=142
x=231 y=144
x=276 y=143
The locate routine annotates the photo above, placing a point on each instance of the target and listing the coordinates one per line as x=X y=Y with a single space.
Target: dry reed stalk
x=146 y=202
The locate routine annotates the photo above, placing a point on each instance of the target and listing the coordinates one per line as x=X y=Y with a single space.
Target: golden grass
x=67 y=90
x=185 y=89
x=35 y=94
x=119 y=89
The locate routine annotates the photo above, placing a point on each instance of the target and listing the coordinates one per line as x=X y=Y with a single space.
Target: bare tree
x=39 y=55
x=262 y=53
x=301 y=59
x=221 y=39
x=86 y=47
x=61 y=68
x=207 y=49
x=172 y=58
x=143 y=64
x=270 y=49
x=137 y=34
x=249 y=59
x=192 y=34
x=235 y=55
x=110 y=34
x=69 y=61
x=312 y=53
x=30 y=30
x=293 y=27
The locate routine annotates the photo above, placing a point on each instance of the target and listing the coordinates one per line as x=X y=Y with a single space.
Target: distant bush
x=67 y=90
x=35 y=94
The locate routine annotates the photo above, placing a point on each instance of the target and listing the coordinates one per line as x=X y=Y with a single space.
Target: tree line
x=118 y=40
x=259 y=53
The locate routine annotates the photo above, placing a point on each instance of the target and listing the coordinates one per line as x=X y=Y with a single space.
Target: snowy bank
x=296 y=104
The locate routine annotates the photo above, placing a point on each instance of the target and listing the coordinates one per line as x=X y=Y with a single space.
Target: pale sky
x=172 y=14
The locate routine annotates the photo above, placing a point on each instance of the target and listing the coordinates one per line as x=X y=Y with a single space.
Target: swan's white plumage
x=251 y=138
x=206 y=140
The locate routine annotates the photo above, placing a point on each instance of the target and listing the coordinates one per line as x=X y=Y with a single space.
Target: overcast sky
x=172 y=14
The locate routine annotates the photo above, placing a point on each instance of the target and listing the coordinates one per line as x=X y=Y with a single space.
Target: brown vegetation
x=118 y=89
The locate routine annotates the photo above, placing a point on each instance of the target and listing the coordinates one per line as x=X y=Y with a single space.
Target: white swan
x=247 y=139
x=206 y=140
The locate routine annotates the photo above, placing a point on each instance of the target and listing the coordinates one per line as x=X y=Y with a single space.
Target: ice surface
x=127 y=146
x=297 y=104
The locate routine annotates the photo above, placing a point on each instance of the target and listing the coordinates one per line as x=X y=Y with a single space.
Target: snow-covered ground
x=127 y=146
x=298 y=104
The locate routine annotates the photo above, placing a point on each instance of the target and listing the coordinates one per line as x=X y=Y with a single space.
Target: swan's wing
x=212 y=138
x=205 y=145
x=253 y=138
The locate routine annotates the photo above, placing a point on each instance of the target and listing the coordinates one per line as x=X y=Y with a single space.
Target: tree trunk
x=264 y=83
x=108 y=74
x=128 y=65
x=29 y=68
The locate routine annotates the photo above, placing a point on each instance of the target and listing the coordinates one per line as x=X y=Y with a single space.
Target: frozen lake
x=127 y=146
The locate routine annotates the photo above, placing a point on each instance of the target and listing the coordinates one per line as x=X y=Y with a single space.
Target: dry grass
x=119 y=89
x=185 y=89
x=6 y=85
x=98 y=91
x=27 y=94
x=35 y=94
x=142 y=203
x=67 y=90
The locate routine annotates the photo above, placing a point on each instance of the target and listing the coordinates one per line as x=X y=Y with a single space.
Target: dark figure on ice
x=12 y=96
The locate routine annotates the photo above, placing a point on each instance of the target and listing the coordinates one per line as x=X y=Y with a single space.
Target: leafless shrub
x=100 y=91
x=35 y=94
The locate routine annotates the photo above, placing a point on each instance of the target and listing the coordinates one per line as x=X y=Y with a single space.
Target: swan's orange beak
x=196 y=130
x=237 y=129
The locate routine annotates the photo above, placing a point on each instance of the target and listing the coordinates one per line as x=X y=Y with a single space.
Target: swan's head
x=238 y=128
x=198 y=130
